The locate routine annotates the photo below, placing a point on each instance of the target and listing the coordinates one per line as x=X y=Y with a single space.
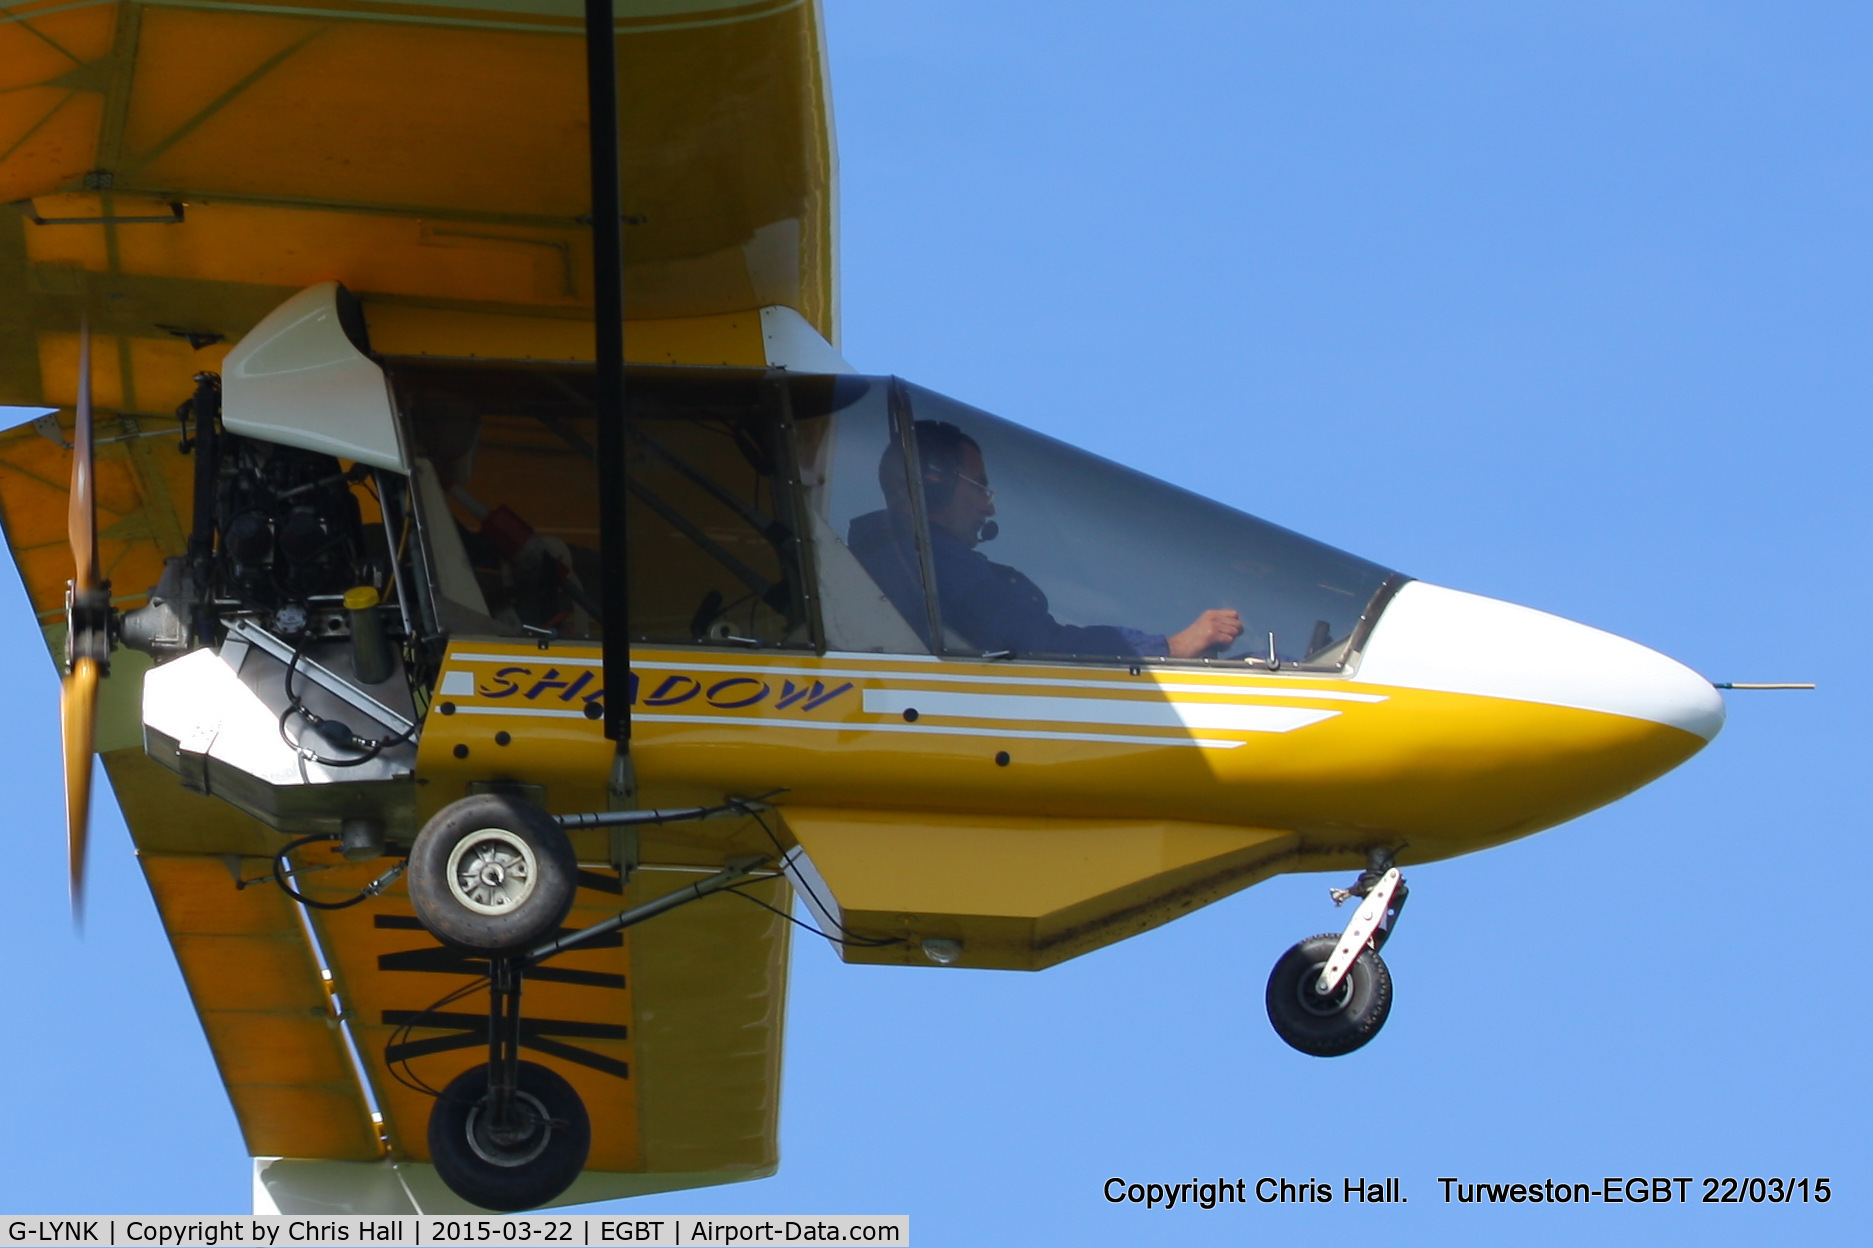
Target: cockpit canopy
x=841 y=513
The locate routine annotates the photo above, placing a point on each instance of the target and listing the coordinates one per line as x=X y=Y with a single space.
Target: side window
x=863 y=535
x=506 y=478
x=509 y=550
x=713 y=549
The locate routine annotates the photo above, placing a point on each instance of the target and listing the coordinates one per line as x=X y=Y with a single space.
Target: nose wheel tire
x=492 y=874
x=518 y=1164
x=1340 y=1021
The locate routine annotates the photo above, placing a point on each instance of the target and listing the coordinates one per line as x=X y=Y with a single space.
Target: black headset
x=935 y=440
x=939 y=440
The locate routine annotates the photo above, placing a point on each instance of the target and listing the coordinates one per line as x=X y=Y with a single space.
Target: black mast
x=601 y=75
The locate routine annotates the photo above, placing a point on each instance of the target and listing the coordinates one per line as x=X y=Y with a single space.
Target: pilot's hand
x=1213 y=630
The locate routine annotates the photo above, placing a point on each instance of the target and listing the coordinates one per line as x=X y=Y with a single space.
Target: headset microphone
x=988 y=531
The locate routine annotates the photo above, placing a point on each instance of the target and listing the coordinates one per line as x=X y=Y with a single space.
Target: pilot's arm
x=1213 y=630
x=995 y=607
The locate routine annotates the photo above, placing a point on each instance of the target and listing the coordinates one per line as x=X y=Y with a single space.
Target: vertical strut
x=504 y=975
x=206 y=409
x=601 y=74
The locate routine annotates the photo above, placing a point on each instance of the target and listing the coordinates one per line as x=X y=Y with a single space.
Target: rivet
x=1001 y=758
x=447 y=708
x=910 y=714
x=502 y=738
x=461 y=751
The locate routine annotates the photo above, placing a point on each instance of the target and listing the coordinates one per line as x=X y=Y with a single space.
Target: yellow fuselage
x=1034 y=811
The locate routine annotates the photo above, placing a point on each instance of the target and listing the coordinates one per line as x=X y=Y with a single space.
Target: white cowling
x=297 y=379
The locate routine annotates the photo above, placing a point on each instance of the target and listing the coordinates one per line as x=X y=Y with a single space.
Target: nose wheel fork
x=1330 y=995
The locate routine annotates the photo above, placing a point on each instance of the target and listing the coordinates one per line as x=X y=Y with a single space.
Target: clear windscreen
x=1035 y=548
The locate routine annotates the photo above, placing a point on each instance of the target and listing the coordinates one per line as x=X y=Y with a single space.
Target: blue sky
x=1564 y=304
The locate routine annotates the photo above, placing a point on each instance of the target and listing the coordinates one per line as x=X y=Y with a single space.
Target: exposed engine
x=288 y=542
x=291 y=535
x=282 y=686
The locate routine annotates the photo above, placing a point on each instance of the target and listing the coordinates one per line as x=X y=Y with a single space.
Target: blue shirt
x=990 y=605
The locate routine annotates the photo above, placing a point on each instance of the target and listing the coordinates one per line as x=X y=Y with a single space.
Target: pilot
x=991 y=606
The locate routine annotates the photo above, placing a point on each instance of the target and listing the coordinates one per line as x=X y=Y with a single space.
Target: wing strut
x=601 y=76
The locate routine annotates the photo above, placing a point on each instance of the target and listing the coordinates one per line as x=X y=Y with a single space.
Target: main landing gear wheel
x=492 y=874
x=496 y=875
x=517 y=1164
x=1340 y=1021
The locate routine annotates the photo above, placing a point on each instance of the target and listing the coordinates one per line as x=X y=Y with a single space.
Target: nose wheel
x=1330 y=995
x=1327 y=1024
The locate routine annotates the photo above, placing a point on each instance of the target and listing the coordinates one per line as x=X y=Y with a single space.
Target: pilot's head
x=956 y=495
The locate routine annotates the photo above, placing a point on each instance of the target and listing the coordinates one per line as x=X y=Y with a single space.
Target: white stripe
x=1297 y=690
x=755 y=721
x=538 y=712
x=1030 y=734
x=1273 y=691
x=1094 y=710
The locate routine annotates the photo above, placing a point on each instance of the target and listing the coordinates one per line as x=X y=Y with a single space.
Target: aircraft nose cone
x=1430 y=637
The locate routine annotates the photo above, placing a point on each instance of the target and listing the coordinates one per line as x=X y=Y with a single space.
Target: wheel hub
x=491 y=871
x=1329 y=1004
x=522 y=1138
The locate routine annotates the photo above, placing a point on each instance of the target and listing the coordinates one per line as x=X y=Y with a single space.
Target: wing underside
x=331 y=1029
x=173 y=172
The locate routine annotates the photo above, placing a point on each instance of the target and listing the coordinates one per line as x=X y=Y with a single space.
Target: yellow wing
x=174 y=173
x=182 y=170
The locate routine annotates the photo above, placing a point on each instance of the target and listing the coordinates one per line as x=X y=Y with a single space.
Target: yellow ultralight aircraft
x=453 y=658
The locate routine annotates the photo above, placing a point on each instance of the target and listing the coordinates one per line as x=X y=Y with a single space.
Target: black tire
x=520 y=892
x=519 y=1169
x=1336 y=1025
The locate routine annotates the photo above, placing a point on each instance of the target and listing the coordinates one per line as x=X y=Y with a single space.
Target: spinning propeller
x=89 y=629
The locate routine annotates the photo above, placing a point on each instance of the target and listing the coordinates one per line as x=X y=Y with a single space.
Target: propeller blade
x=82 y=519
x=78 y=708
x=78 y=698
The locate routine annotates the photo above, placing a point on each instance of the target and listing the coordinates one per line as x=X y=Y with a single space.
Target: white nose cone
x=1430 y=637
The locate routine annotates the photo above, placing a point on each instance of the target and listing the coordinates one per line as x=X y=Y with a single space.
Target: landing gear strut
x=495 y=876
x=1329 y=995
x=509 y=1135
